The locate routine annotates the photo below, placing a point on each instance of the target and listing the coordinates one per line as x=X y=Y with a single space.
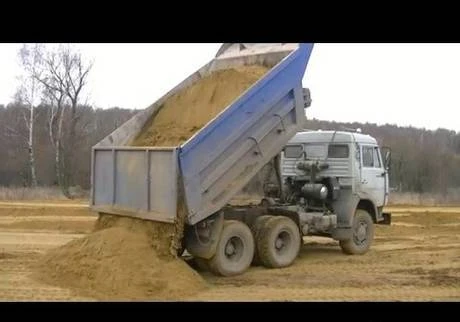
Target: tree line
x=47 y=132
x=422 y=160
x=91 y=126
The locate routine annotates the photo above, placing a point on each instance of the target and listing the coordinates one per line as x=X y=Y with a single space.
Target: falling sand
x=187 y=111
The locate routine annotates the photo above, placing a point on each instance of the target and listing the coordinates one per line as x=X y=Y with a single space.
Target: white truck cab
x=343 y=174
x=353 y=158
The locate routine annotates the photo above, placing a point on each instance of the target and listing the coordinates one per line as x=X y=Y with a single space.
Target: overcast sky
x=403 y=84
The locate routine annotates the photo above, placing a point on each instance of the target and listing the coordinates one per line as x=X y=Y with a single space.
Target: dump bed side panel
x=222 y=158
x=136 y=182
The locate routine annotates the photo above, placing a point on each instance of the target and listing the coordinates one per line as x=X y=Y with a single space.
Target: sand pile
x=190 y=109
x=123 y=259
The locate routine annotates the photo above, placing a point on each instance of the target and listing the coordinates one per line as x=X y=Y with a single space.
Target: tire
x=278 y=242
x=235 y=250
x=256 y=227
x=363 y=234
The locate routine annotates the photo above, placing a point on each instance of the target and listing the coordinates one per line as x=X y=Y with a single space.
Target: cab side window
x=368 y=157
x=371 y=157
x=377 y=162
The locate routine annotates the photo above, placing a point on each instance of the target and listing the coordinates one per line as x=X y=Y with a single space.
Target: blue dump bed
x=206 y=171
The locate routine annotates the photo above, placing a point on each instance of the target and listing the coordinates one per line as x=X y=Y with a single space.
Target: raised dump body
x=208 y=169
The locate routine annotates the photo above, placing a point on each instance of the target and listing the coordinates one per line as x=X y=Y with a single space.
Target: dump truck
x=190 y=185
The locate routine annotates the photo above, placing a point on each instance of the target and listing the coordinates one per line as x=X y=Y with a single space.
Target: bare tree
x=63 y=78
x=30 y=58
x=54 y=83
x=76 y=75
x=54 y=95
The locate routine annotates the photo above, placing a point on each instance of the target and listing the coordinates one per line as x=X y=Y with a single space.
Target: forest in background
x=423 y=161
x=92 y=125
x=47 y=132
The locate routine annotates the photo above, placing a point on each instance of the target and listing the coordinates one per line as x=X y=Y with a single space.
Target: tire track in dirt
x=23 y=212
x=76 y=220
x=418 y=210
x=49 y=223
x=47 y=204
x=11 y=242
x=11 y=219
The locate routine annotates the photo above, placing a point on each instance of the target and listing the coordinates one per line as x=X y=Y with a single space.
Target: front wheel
x=362 y=234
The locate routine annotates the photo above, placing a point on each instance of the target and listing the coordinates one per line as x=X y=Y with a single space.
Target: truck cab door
x=373 y=175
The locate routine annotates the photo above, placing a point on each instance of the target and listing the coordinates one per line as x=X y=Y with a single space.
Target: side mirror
x=387 y=157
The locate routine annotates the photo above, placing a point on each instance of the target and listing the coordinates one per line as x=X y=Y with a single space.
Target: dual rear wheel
x=278 y=241
x=273 y=241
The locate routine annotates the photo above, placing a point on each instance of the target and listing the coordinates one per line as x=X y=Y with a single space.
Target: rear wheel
x=235 y=250
x=278 y=242
x=363 y=234
x=256 y=228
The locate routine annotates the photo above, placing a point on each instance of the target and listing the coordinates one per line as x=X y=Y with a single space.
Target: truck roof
x=321 y=136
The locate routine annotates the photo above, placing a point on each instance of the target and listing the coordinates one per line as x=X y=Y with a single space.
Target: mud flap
x=386 y=219
x=202 y=238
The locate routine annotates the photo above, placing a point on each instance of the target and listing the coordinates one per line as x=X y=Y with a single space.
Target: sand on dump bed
x=133 y=259
x=190 y=109
x=123 y=259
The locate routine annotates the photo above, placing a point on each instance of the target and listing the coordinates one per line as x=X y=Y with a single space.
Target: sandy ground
x=417 y=258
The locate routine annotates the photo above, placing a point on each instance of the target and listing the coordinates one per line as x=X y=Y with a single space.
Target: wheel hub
x=361 y=232
x=229 y=249
x=279 y=243
x=282 y=242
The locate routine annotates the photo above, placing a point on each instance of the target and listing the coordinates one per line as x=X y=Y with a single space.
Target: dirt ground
x=416 y=258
